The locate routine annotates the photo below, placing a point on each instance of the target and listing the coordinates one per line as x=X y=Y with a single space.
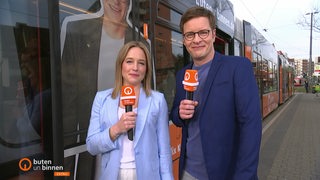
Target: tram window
x=257 y=67
x=264 y=71
x=270 y=76
x=25 y=84
x=221 y=46
x=275 y=75
x=169 y=14
x=237 y=48
x=254 y=61
x=25 y=90
x=169 y=59
x=255 y=64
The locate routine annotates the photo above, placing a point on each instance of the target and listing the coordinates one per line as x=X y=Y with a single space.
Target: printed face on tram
x=116 y=10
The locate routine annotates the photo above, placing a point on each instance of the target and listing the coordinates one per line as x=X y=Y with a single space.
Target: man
x=221 y=126
x=306 y=85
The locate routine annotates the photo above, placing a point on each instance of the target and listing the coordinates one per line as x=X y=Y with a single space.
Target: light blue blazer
x=151 y=139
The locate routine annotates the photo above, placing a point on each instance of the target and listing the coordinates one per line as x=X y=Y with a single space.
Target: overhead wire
x=251 y=14
x=273 y=8
x=258 y=22
x=264 y=29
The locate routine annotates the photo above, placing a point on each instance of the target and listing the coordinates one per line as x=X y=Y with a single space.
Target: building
x=302 y=67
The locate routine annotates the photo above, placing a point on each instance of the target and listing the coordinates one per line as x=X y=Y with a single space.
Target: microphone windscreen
x=190 y=81
x=128 y=96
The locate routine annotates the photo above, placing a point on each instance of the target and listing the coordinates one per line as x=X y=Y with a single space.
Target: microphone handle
x=189 y=95
x=130 y=131
x=130 y=134
x=128 y=108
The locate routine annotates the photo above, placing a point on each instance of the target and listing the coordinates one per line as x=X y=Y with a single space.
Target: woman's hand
x=126 y=122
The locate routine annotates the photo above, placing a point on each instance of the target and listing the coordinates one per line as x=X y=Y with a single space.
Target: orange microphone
x=128 y=99
x=190 y=82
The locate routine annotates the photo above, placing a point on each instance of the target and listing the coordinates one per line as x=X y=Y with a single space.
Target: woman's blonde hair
x=121 y=57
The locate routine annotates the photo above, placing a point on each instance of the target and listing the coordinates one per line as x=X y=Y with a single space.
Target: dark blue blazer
x=230 y=119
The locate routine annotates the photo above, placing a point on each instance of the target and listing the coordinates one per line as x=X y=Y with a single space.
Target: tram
x=274 y=74
x=51 y=67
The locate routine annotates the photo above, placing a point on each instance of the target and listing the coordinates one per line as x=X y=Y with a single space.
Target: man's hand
x=187 y=108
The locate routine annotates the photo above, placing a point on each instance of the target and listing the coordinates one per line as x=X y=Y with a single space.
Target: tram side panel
x=263 y=56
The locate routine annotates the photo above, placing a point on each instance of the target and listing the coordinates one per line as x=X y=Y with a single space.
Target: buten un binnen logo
x=128 y=90
x=25 y=164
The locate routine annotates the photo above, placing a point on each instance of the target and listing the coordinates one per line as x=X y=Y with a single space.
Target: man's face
x=201 y=46
x=116 y=10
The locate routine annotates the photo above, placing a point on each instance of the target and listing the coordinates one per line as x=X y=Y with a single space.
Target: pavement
x=290 y=146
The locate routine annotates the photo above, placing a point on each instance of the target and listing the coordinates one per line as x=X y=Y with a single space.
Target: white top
x=109 y=49
x=127 y=160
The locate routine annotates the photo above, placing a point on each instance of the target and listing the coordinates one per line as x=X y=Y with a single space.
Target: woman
x=149 y=154
x=90 y=44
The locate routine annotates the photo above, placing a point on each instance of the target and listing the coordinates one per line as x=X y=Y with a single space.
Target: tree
x=304 y=20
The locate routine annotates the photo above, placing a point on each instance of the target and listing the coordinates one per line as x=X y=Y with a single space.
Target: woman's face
x=116 y=10
x=134 y=67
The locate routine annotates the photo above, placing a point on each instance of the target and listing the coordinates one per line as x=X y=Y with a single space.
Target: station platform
x=290 y=146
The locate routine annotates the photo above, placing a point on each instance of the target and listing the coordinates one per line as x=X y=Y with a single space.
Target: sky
x=279 y=18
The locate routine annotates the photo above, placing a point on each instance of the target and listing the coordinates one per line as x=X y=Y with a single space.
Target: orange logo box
x=190 y=81
x=61 y=173
x=127 y=95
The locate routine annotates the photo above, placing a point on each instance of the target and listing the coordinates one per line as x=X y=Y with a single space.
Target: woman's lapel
x=143 y=111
